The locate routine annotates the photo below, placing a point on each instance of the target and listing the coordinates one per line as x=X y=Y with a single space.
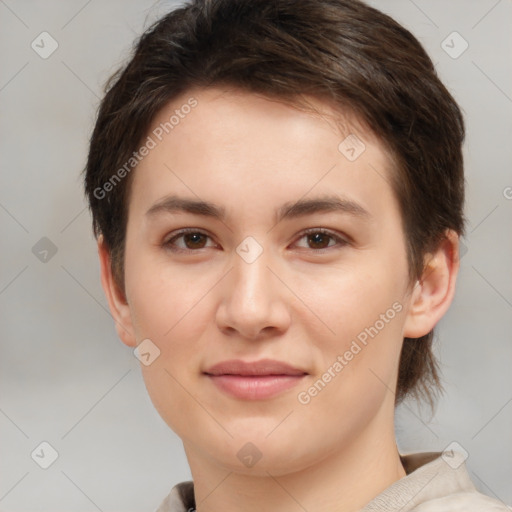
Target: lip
x=261 y=367
x=254 y=380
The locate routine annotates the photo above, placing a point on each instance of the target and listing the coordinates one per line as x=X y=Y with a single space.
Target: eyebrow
x=289 y=210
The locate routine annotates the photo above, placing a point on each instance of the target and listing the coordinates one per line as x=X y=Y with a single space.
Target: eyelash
x=169 y=242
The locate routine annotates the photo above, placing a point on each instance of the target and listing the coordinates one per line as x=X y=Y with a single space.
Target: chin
x=261 y=456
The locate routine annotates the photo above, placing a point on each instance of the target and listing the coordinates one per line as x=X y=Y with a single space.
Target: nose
x=254 y=300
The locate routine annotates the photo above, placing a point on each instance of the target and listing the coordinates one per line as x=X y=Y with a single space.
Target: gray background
x=65 y=377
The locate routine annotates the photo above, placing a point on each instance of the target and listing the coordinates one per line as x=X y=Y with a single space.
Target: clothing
x=434 y=482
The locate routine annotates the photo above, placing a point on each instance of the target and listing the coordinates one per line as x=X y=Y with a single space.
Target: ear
x=119 y=307
x=434 y=291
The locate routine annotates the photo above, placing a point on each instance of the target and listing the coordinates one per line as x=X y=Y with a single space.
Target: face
x=298 y=257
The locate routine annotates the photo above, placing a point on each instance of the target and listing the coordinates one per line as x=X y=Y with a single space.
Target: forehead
x=236 y=147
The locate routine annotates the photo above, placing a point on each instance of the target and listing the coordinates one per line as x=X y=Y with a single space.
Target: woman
x=277 y=191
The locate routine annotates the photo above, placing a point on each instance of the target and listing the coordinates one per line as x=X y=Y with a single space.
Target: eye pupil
x=317 y=238
x=194 y=237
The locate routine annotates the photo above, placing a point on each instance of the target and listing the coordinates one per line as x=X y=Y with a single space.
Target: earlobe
x=118 y=305
x=434 y=291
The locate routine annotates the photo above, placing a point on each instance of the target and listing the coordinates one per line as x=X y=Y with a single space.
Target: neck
x=344 y=481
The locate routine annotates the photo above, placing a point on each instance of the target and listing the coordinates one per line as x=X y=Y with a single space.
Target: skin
x=296 y=302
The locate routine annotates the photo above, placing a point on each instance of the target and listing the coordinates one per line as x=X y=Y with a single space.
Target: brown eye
x=319 y=239
x=192 y=240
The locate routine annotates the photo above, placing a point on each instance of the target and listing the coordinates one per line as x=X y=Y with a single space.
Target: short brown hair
x=343 y=51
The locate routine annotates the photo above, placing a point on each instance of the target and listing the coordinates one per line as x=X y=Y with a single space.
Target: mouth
x=255 y=387
x=254 y=381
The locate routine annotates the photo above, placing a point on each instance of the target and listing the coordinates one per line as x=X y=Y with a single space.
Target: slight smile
x=254 y=380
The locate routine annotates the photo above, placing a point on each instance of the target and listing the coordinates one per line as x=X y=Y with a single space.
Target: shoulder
x=435 y=482
x=450 y=488
x=463 y=502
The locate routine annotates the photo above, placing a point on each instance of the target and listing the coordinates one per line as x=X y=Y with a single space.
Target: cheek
x=350 y=299
x=175 y=321
x=162 y=296
x=362 y=308
x=170 y=312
